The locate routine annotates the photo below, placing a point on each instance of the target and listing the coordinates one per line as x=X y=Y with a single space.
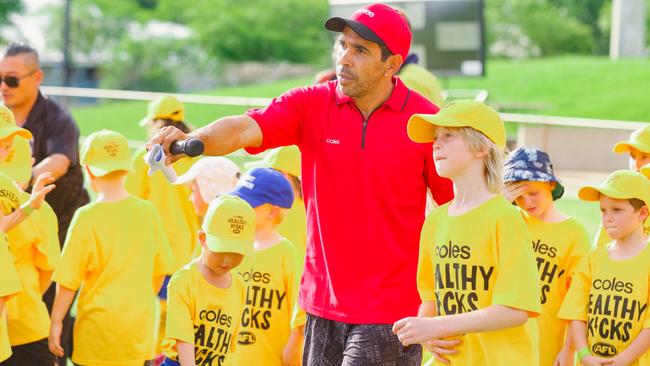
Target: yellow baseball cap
x=229 y=225
x=286 y=158
x=8 y=125
x=639 y=139
x=164 y=107
x=8 y=195
x=18 y=164
x=105 y=152
x=622 y=184
x=459 y=113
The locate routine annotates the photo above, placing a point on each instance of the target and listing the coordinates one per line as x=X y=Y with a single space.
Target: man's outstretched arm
x=220 y=137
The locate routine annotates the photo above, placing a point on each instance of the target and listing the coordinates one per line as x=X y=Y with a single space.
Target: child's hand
x=41 y=188
x=595 y=361
x=564 y=357
x=440 y=348
x=54 y=340
x=415 y=330
x=291 y=355
x=513 y=190
x=617 y=361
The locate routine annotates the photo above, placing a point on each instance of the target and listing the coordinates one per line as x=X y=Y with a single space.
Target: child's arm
x=41 y=188
x=566 y=355
x=638 y=347
x=62 y=301
x=185 y=353
x=292 y=352
x=413 y=330
x=440 y=348
x=579 y=333
x=158 y=283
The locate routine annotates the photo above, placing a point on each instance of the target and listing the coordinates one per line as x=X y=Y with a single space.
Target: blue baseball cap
x=264 y=185
x=533 y=165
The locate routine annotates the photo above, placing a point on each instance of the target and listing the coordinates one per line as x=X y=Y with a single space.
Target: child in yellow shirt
x=9 y=282
x=558 y=241
x=34 y=245
x=268 y=333
x=476 y=273
x=205 y=298
x=116 y=254
x=286 y=159
x=638 y=148
x=607 y=303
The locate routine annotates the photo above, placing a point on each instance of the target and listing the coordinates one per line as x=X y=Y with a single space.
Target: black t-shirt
x=55 y=132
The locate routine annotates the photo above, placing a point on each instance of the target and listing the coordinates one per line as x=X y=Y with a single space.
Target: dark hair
x=20 y=48
x=178 y=124
x=636 y=203
x=385 y=52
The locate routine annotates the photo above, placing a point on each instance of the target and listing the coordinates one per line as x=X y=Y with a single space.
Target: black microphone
x=191 y=147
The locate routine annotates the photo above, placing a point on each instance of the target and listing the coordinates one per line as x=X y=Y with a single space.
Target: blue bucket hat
x=264 y=185
x=533 y=165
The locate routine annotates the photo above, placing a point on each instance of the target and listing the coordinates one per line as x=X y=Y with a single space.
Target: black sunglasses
x=13 y=81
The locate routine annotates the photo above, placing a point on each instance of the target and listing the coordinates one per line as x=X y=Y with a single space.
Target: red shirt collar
x=396 y=101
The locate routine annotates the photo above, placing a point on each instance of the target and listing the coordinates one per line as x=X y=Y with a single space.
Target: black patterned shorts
x=332 y=343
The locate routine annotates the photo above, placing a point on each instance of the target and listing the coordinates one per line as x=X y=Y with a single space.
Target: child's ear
x=553 y=185
x=643 y=213
x=202 y=238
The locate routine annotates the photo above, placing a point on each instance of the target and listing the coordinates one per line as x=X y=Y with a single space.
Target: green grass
x=589 y=87
x=123 y=116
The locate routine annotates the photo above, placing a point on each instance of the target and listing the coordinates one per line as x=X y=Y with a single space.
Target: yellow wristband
x=583 y=352
x=27 y=209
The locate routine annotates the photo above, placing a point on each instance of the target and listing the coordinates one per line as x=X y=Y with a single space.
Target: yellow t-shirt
x=603 y=239
x=34 y=245
x=422 y=81
x=558 y=247
x=179 y=219
x=294 y=226
x=116 y=250
x=204 y=315
x=612 y=297
x=9 y=287
x=471 y=261
x=272 y=278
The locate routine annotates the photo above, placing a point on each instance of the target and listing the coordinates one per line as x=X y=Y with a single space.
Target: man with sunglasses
x=54 y=147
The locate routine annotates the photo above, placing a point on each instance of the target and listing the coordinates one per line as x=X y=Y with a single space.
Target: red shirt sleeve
x=281 y=121
x=441 y=188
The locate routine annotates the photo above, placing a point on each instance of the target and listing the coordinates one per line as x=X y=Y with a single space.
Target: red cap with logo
x=377 y=23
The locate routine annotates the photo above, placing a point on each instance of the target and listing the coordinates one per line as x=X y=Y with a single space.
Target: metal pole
x=67 y=62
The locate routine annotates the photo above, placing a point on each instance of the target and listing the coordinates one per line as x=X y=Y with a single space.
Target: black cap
x=336 y=24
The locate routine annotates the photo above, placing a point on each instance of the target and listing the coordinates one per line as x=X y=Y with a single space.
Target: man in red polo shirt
x=364 y=186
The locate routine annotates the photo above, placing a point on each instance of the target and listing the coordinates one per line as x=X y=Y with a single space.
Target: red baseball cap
x=377 y=23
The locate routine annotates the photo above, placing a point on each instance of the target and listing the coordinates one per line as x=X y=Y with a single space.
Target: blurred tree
x=7 y=7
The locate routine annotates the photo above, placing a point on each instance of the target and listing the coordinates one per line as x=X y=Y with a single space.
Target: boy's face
x=536 y=198
x=219 y=263
x=619 y=217
x=200 y=206
x=450 y=153
x=5 y=147
x=638 y=159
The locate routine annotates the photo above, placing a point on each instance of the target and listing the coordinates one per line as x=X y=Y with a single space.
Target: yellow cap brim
x=15 y=131
x=645 y=170
x=229 y=245
x=422 y=127
x=20 y=166
x=625 y=146
x=101 y=169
